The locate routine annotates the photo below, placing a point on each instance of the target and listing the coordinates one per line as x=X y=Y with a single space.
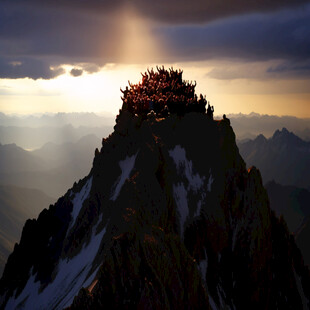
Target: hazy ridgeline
x=49 y=152
x=284 y=158
x=252 y=125
x=62 y=145
x=30 y=132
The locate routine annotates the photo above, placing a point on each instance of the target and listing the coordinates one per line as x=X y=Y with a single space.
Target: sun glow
x=139 y=44
x=100 y=92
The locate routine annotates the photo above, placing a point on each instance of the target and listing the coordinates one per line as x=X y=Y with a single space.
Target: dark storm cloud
x=15 y=68
x=50 y=33
x=76 y=72
x=51 y=37
x=173 y=11
x=253 y=37
x=281 y=36
x=28 y=30
x=291 y=69
x=199 y=11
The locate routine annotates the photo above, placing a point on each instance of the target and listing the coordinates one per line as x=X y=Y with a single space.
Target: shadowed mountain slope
x=290 y=201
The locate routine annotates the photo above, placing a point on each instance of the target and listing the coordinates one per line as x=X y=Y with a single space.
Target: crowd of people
x=164 y=92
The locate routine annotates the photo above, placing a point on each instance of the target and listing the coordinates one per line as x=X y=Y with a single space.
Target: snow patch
x=301 y=292
x=221 y=294
x=180 y=197
x=71 y=276
x=199 y=204
x=184 y=165
x=78 y=201
x=212 y=303
x=195 y=181
x=210 y=181
x=203 y=266
x=126 y=166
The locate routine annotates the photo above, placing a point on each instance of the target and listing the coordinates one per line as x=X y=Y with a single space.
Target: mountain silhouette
x=248 y=126
x=168 y=218
x=284 y=158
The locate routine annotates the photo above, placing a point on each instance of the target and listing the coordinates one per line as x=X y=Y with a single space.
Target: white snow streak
x=221 y=294
x=180 y=196
x=212 y=303
x=126 y=166
x=203 y=266
x=70 y=278
x=179 y=156
x=210 y=181
x=195 y=183
x=301 y=292
x=199 y=204
x=78 y=201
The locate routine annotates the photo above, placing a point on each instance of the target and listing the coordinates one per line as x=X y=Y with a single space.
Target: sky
x=74 y=55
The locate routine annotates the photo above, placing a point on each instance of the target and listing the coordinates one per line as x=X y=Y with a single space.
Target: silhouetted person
x=209 y=111
x=165 y=111
x=125 y=92
x=226 y=119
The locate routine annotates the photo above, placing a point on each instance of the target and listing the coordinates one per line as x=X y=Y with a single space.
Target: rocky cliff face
x=168 y=218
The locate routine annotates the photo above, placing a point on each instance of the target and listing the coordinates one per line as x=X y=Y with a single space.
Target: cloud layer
x=36 y=36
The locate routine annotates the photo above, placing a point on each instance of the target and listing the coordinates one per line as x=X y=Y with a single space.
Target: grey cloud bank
x=36 y=35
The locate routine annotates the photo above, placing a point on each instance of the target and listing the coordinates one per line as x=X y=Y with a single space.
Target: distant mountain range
x=248 y=126
x=16 y=206
x=15 y=159
x=52 y=168
x=65 y=154
x=23 y=130
x=33 y=138
x=58 y=120
x=284 y=158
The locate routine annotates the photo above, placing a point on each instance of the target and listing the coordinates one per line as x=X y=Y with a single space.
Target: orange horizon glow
x=100 y=92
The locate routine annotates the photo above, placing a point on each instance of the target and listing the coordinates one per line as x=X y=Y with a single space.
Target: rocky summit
x=168 y=218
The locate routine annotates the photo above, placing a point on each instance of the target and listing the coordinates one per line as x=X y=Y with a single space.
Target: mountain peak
x=286 y=137
x=261 y=138
x=281 y=133
x=168 y=216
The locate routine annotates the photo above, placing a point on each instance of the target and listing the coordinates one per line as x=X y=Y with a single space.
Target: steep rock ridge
x=168 y=218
